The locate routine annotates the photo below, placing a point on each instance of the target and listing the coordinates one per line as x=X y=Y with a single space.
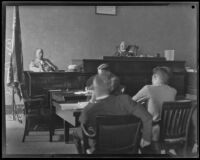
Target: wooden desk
x=70 y=113
x=59 y=99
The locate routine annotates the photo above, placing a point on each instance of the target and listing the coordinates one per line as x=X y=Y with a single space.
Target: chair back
x=118 y=134
x=31 y=105
x=175 y=119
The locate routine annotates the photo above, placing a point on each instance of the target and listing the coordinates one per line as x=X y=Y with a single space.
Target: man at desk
x=121 y=49
x=40 y=64
x=107 y=104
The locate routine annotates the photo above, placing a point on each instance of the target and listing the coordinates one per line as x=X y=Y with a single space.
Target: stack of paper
x=80 y=92
x=58 y=97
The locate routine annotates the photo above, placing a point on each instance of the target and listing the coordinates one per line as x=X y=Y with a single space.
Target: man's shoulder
x=123 y=97
x=172 y=89
x=34 y=61
x=91 y=106
x=147 y=88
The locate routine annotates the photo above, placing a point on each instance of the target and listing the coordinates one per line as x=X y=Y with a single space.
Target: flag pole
x=13 y=104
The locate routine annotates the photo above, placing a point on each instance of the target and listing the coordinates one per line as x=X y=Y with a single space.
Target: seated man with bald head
x=41 y=64
x=107 y=104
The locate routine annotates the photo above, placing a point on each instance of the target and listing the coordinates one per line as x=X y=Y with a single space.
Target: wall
x=66 y=32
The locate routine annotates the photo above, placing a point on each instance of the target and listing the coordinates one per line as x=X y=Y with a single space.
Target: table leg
x=66 y=131
x=51 y=125
x=51 y=129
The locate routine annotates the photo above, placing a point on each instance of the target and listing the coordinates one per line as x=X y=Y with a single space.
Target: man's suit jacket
x=117 y=105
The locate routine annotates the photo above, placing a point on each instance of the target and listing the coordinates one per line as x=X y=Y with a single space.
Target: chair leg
x=25 y=130
x=50 y=133
x=162 y=148
x=53 y=132
x=51 y=129
x=156 y=147
x=185 y=149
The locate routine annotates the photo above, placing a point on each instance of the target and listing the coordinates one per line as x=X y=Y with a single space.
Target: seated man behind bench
x=106 y=104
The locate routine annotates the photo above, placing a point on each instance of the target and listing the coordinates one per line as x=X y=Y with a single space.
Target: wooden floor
x=36 y=142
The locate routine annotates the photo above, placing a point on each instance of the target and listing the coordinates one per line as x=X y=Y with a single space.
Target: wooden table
x=67 y=106
x=70 y=113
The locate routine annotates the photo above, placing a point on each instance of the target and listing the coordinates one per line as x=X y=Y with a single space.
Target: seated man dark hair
x=104 y=68
x=107 y=104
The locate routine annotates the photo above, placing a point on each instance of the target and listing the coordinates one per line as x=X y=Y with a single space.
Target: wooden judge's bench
x=134 y=73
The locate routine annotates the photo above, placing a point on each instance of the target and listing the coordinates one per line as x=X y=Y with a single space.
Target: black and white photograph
x=100 y=79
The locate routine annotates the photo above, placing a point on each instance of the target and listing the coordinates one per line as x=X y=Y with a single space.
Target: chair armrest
x=38 y=96
x=33 y=99
x=86 y=133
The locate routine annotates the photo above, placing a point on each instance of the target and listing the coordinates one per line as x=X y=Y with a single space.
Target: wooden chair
x=175 y=119
x=115 y=134
x=34 y=112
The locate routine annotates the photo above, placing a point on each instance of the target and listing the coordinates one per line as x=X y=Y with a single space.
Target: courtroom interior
x=101 y=80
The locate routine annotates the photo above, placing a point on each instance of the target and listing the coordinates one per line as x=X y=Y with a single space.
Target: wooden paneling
x=191 y=83
x=39 y=83
x=134 y=74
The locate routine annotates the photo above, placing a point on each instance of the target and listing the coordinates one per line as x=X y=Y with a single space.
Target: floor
x=36 y=142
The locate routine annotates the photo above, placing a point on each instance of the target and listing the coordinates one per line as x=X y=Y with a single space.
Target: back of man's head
x=164 y=73
x=102 y=84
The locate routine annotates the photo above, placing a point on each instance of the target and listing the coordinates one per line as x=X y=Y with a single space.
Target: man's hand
x=40 y=68
x=144 y=143
x=93 y=98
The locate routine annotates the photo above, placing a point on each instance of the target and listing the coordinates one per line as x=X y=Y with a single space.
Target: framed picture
x=108 y=10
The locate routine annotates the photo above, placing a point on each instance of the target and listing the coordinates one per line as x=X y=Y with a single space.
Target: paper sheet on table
x=55 y=90
x=69 y=106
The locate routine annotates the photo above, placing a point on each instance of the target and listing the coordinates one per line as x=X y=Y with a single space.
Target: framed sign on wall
x=108 y=10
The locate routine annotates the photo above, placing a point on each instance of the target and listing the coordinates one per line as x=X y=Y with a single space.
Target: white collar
x=102 y=97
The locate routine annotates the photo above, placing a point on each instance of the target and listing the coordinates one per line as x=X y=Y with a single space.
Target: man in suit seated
x=122 y=49
x=106 y=104
x=41 y=64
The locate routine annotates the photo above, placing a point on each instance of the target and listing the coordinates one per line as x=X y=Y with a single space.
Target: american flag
x=15 y=71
